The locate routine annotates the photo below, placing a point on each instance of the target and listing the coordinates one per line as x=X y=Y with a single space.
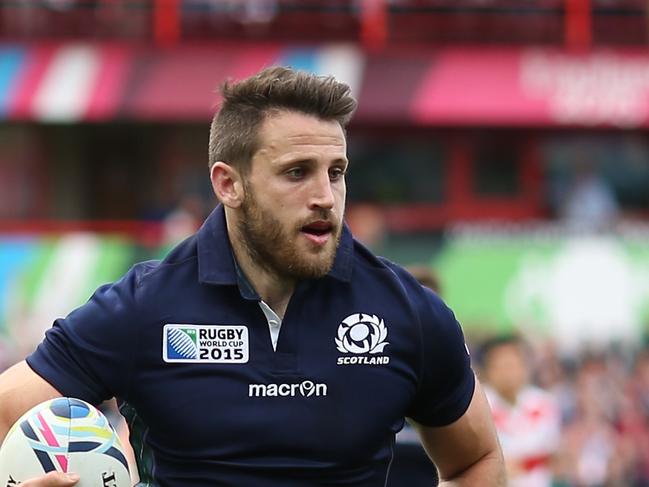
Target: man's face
x=295 y=196
x=506 y=369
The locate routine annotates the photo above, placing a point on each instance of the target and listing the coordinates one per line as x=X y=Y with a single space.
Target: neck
x=510 y=396
x=275 y=290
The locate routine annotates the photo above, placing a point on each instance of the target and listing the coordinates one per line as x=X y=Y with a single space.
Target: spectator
x=589 y=203
x=426 y=277
x=184 y=220
x=527 y=418
x=592 y=452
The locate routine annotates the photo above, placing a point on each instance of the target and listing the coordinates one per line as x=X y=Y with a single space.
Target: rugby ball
x=66 y=435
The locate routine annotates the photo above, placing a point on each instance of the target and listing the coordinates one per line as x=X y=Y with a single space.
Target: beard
x=274 y=248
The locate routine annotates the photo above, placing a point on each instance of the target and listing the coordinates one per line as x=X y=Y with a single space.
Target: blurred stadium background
x=500 y=143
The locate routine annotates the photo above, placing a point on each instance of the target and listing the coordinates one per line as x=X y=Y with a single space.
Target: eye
x=336 y=173
x=295 y=173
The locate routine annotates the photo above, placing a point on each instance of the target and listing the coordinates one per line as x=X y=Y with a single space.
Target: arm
x=21 y=389
x=466 y=452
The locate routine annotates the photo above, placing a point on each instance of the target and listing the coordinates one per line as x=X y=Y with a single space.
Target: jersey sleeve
x=447 y=379
x=89 y=354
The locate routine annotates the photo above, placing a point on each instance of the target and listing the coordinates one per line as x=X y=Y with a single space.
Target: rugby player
x=271 y=348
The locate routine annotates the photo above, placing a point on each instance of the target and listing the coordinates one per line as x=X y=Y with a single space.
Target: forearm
x=20 y=390
x=489 y=471
x=467 y=452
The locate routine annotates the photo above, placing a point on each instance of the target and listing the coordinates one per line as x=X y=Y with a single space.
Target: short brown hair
x=233 y=135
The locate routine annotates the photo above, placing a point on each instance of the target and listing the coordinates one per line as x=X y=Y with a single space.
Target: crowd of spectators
x=583 y=420
x=293 y=20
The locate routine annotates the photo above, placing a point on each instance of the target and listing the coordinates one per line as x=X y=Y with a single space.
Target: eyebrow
x=310 y=160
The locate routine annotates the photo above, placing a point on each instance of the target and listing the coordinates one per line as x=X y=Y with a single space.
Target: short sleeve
x=88 y=354
x=447 y=380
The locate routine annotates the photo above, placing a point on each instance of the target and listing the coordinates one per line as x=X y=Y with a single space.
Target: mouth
x=318 y=232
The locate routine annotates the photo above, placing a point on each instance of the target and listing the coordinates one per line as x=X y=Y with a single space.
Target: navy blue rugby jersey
x=186 y=348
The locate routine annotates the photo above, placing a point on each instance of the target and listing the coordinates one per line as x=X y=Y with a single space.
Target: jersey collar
x=216 y=263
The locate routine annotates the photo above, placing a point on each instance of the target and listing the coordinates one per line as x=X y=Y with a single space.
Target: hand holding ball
x=63 y=435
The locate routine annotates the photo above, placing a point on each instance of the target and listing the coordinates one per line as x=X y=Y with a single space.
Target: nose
x=322 y=195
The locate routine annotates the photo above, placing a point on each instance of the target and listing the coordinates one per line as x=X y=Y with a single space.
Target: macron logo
x=306 y=388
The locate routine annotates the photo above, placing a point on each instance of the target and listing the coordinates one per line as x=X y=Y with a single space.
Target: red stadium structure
x=454 y=68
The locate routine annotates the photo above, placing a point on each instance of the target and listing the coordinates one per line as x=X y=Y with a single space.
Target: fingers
x=52 y=479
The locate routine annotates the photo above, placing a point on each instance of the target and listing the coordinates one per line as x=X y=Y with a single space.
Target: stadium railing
x=374 y=23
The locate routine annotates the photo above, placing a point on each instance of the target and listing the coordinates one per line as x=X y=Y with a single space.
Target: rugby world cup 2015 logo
x=361 y=334
x=216 y=344
x=181 y=343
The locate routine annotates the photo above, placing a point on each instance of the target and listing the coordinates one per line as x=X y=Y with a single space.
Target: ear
x=227 y=184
